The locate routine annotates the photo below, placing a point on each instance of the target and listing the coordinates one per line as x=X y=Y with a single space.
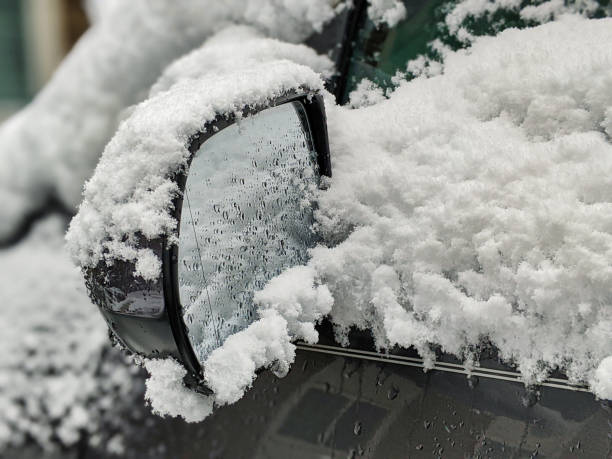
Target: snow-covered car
x=286 y=236
x=207 y=232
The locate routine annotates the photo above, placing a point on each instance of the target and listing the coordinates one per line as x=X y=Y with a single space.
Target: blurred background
x=59 y=379
x=35 y=36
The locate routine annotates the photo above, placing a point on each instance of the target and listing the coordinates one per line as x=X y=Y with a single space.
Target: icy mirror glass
x=246 y=217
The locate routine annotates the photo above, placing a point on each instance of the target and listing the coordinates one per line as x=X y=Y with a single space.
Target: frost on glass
x=246 y=216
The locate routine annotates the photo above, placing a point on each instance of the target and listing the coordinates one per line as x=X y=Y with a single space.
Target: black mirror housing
x=146 y=317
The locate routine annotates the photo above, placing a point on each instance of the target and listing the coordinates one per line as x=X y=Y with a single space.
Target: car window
x=379 y=52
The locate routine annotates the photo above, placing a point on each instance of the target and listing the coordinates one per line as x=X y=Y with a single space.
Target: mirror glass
x=246 y=216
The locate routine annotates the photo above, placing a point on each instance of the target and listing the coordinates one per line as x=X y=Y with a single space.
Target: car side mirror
x=245 y=213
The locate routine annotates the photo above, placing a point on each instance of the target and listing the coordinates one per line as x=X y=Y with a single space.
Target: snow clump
x=289 y=308
x=365 y=94
x=267 y=343
x=602 y=381
x=168 y=395
x=388 y=12
x=486 y=213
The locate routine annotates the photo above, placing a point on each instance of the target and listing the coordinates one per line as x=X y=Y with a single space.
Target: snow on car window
x=385 y=54
x=486 y=213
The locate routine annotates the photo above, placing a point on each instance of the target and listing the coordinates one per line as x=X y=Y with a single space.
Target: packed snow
x=57 y=377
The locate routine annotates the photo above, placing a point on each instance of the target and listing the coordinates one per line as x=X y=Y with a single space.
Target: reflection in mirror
x=120 y=291
x=246 y=217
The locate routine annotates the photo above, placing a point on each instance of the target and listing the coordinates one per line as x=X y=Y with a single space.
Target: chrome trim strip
x=440 y=366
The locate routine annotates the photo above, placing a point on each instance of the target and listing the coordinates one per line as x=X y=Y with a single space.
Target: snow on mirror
x=246 y=216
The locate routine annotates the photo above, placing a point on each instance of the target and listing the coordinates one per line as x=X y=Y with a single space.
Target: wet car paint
x=337 y=407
